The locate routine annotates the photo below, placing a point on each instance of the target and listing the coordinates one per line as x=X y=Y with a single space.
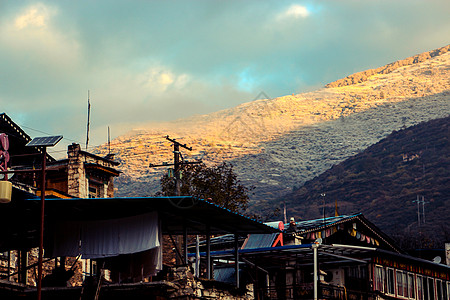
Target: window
x=419 y=287
x=428 y=288
x=426 y=295
x=405 y=285
x=94 y=190
x=431 y=288
x=439 y=290
x=411 y=287
x=399 y=283
x=380 y=275
x=390 y=282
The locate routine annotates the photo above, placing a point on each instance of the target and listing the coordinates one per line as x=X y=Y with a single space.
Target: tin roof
x=20 y=227
x=315 y=225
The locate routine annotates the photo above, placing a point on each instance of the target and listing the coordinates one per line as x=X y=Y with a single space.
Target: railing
x=306 y=291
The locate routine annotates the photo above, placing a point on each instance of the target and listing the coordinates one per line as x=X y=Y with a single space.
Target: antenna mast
x=88 y=121
x=109 y=141
x=323 y=197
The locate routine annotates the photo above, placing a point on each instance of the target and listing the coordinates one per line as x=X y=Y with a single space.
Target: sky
x=151 y=61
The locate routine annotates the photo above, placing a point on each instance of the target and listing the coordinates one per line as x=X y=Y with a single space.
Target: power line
x=91 y=147
x=43 y=132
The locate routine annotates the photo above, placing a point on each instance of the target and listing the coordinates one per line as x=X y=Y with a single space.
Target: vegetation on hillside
x=276 y=144
x=383 y=182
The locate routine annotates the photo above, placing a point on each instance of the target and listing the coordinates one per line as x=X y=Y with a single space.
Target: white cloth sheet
x=106 y=238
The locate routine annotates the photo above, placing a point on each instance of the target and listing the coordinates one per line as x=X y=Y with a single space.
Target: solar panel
x=45 y=141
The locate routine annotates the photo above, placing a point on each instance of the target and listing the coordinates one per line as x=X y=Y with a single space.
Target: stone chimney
x=76 y=181
x=447 y=253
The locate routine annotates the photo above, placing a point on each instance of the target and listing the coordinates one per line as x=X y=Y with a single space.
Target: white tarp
x=106 y=238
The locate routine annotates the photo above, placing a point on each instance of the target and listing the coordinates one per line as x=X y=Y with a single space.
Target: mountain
x=385 y=181
x=276 y=145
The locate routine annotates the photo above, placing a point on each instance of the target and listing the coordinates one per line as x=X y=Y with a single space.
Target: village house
x=119 y=241
x=350 y=257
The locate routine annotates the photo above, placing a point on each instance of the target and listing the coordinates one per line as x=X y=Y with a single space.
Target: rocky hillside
x=363 y=76
x=278 y=144
x=383 y=182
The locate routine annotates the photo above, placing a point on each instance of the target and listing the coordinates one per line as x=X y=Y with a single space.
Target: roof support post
x=9 y=265
x=185 y=245
x=236 y=258
x=208 y=252
x=315 y=279
x=197 y=257
x=179 y=256
x=24 y=262
x=19 y=267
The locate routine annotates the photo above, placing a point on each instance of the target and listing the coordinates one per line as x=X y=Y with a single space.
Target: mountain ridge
x=384 y=181
x=278 y=144
x=362 y=76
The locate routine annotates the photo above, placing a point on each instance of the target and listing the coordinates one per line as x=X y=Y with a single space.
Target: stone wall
x=191 y=287
x=78 y=182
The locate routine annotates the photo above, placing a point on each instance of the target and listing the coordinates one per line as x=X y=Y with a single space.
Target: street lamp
x=43 y=143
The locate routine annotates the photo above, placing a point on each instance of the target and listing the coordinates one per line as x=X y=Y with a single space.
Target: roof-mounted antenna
x=109 y=142
x=88 y=121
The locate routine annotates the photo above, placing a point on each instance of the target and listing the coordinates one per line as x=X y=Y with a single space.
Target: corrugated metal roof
x=226 y=274
x=20 y=217
x=259 y=241
x=307 y=226
x=311 y=225
x=273 y=256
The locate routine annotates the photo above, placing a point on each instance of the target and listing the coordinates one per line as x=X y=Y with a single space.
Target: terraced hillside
x=278 y=144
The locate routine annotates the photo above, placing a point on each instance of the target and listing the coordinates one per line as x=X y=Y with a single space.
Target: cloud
x=34 y=16
x=154 y=63
x=30 y=39
x=295 y=11
x=159 y=79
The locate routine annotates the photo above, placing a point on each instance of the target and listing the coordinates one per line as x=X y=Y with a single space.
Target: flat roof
x=20 y=218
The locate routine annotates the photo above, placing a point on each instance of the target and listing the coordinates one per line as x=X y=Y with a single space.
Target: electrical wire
x=89 y=147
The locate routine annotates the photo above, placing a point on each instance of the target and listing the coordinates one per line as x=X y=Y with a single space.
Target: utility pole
x=423 y=209
x=420 y=200
x=418 y=210
x=177 y=167
x=178 y=162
